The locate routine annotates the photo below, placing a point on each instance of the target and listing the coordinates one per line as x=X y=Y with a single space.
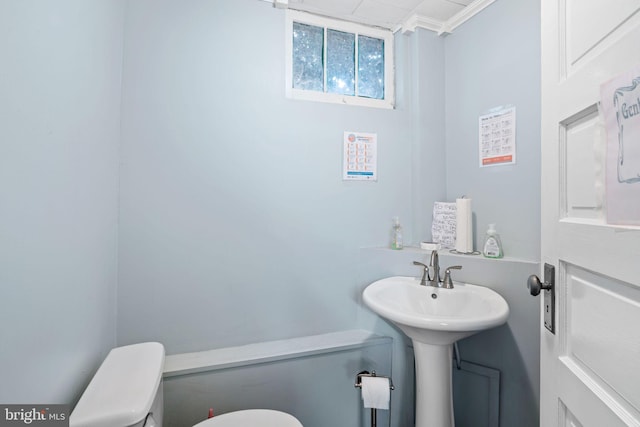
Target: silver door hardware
x=535 y=286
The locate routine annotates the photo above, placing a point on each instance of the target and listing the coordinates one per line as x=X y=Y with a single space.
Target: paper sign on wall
x=620 y=104
x=360 y=157
x=498 y=137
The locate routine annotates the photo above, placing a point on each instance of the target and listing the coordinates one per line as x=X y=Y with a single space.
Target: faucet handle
x=425 y=273
x=447 y=283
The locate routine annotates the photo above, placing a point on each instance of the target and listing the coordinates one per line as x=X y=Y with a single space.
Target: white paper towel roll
x=376 y=392
x=464 y=226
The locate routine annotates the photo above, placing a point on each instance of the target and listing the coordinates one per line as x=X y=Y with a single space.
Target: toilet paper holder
x=361 y=374
x=358 y=384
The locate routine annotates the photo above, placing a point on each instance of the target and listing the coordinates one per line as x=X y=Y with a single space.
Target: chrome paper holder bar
x=361 y=374
x=358 y=384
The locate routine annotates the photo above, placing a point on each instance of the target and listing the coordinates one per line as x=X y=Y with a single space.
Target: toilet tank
x=125 y=391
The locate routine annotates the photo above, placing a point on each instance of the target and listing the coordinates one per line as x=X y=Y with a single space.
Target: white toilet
x=127 y=392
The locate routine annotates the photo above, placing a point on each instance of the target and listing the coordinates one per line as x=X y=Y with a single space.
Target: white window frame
x=349 y=27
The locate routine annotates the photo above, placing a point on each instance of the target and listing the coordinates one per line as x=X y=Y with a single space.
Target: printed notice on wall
x=360 y=158
x=620 y=106
x=498 y=137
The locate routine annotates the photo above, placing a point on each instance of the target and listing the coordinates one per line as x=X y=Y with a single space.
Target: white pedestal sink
x=435 y=318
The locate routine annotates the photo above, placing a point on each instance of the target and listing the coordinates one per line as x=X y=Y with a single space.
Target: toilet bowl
x=252 y=418
x=126 y=391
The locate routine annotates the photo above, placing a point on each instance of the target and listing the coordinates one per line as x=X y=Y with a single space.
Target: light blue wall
x=491 y=60
x=235 y=224
x=424 y=84
x=59 y=137
x=494 y=60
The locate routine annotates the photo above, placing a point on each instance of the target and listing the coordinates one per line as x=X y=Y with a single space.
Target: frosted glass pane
x=370 y=67
x=341 y=62
x=308 y=47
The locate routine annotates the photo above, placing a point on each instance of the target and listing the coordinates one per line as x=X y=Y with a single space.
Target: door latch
x=535 y=286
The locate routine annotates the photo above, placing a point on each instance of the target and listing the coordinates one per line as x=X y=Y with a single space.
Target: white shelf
x=445 y=252
x=269 y=351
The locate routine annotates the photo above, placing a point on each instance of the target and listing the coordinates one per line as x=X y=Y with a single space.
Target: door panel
x=602 y=337
x=589 y=367
x=612 y=251
x=593 y=26
x=585 y=403
x=567 y=419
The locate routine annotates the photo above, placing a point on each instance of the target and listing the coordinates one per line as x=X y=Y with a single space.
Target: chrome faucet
x=434 y=263
x=434 y=266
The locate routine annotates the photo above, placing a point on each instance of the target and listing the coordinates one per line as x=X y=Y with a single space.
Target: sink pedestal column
x=434 y=398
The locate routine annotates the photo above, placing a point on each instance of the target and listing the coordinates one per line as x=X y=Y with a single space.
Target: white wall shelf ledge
x=270 y=351
x=417 y=251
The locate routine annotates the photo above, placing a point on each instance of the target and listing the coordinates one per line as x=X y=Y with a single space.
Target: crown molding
x=419 y=21
x=446 y=27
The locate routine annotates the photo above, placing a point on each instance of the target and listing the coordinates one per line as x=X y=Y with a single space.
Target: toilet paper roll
x=464 y=226
x=376 y=392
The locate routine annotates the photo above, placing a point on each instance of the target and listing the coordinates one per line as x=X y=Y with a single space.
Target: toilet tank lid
x=122 y=391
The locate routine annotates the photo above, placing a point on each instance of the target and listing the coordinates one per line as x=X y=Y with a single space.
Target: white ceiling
x=441 y=16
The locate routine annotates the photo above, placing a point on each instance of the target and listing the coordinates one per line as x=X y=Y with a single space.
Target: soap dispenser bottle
x=396 y=234
x=492 y=244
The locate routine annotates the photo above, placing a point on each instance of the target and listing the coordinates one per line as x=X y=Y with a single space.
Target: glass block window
x=308 y=53
x=336 y=61
x=341 y=63
x=371 y=67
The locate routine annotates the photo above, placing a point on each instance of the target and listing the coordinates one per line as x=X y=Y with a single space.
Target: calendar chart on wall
x=497 y=131
x=360 y=156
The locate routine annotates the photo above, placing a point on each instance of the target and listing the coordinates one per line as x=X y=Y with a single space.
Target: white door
x=590 y=366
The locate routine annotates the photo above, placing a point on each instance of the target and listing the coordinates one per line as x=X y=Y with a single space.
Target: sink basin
x=434 y=318
x=436 y=315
